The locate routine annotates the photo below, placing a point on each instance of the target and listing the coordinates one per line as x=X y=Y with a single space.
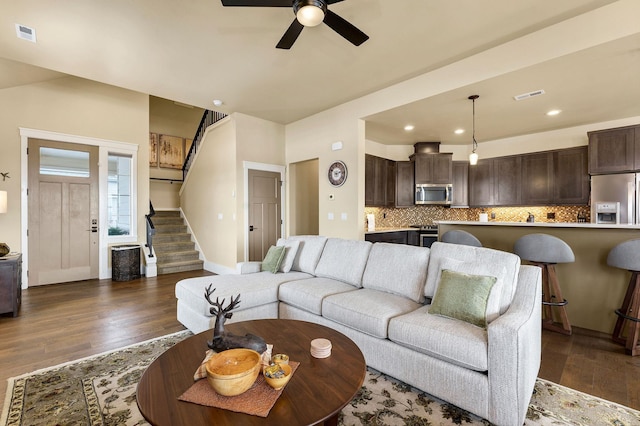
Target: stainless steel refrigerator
x=623 y=188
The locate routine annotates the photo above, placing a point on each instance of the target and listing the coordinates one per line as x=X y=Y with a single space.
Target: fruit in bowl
x=233 y=371
x=277 y=375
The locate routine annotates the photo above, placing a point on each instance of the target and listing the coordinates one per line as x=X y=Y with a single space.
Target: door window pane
x=119 y=193
x=64 y=162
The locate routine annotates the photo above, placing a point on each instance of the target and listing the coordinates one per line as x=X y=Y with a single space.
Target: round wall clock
x=337 y=173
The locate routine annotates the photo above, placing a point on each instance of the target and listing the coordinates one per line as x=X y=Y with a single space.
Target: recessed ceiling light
x=554 y=112
x=409 y=127
x=217 y=102
x=459 y=131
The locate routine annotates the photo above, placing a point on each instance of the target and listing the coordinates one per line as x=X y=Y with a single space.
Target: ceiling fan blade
x=258 y=3
x=345 y=29
x=333 y=1
x=291 y=35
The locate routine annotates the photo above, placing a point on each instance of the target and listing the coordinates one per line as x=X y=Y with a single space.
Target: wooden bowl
x=278 y=383
x=233 y=371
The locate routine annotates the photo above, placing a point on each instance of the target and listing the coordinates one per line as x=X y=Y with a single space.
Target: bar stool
x=464 y=238
x=626 y=255
x=546 y=251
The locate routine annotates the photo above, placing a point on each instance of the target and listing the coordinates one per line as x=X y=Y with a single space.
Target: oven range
x=428 y=234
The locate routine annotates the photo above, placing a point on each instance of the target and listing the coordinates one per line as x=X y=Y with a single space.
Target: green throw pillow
x=463 y=296
x=273 y=259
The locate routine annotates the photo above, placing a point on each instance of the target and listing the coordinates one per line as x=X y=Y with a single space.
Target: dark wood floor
x=63 y=322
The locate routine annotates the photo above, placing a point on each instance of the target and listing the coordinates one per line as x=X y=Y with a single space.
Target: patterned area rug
x=100 y=391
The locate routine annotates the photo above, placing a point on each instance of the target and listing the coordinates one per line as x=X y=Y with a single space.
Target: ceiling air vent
x=529 y=95
x=26 y=33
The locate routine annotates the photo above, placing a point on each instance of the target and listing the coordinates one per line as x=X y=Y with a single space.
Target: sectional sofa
x=380 y=295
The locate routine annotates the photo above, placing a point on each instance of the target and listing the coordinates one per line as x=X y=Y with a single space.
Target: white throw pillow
x=290 y=251
x=474 y=268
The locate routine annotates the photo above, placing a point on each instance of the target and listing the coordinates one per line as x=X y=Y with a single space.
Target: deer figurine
x=223 y=340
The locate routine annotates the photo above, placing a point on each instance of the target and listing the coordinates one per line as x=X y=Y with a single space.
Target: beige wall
x=213 y=195
x=72 y=106
x=303 y=211
x=258 y=141
x=207 y=197
x=167 y=118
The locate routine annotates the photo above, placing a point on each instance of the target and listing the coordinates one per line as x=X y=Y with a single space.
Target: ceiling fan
x=309 y=13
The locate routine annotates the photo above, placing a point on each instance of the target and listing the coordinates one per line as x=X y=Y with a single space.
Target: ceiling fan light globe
x=310 y=15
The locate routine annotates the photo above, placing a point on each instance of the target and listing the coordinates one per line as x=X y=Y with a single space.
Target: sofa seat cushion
x=308 y=294
x=344 y=260
x=398 y=269
x=448 y=339
x=366 y=310
x=254 y=289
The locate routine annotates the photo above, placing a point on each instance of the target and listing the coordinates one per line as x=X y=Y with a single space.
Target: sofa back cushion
x=309 y=251
x=504 y=266
x=290 y=252
x=344 y=260
x=397 y=269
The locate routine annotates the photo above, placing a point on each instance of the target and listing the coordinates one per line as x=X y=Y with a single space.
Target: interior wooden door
x=63 y=212
x=265 y=216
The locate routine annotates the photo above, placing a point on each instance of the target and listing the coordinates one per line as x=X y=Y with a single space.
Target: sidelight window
x=120 y=190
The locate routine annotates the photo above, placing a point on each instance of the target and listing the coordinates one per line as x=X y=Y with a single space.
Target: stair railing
x=151 y=229
x=208 y=118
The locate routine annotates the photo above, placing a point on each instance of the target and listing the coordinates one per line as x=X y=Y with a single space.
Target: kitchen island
x=593 y=289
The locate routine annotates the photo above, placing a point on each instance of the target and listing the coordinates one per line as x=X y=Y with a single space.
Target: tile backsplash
x=427 y=215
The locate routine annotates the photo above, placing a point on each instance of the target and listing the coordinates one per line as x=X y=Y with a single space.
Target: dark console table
x=10 y=283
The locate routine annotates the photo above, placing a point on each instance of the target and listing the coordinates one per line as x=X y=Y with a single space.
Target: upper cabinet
x=571 y=178
x=537 y=178
x=405 y=187
x=550 y=177
x=376 y=175
x=460 y=183
x=481 y=183
x=614 y=150
x=433 y=168
x=507 y=189
x=388 y=183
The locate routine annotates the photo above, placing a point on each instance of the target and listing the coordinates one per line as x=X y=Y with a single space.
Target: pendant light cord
x=473 y=136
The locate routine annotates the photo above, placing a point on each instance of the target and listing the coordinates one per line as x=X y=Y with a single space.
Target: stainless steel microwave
x=433 y=193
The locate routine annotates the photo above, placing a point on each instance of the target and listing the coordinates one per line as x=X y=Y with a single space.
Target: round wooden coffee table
x=317 y=392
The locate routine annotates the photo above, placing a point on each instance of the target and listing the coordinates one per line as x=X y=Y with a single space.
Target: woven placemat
x=257 y=401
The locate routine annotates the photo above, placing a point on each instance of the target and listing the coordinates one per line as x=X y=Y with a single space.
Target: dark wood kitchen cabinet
x=405 y=188
x=537 y=179
x=388 y=183
x=395 y=237
x=481 y=183
x=433 y=168
x=571 y=177
x=495 y=182
x=375 y=182
x=460 y=197
x=507 y=188
x=10 y=283
x=614 y=150
x=541 y=178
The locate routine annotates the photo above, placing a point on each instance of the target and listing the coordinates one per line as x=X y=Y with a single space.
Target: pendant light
x=473 y=157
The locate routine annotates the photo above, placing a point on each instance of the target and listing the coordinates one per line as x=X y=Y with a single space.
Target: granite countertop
x=541 y=224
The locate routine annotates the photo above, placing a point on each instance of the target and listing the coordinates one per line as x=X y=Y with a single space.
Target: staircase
x=172 y=244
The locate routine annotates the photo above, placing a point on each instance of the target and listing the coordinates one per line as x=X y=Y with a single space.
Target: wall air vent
x=529 y=95
x=26 y=33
